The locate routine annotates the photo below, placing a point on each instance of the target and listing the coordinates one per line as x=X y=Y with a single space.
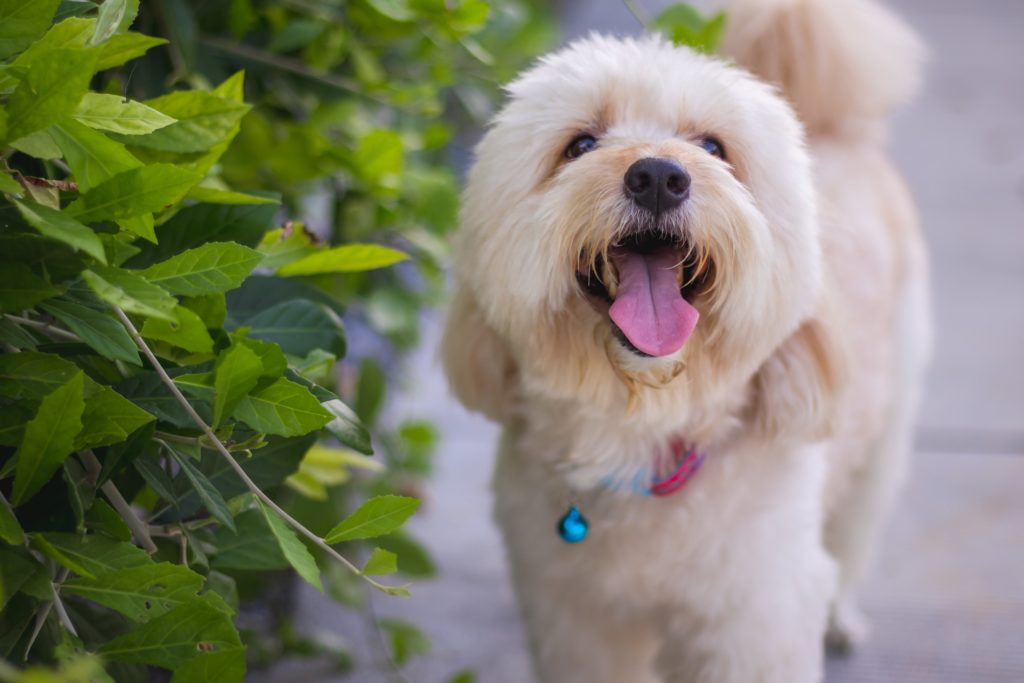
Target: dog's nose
x=657 y=184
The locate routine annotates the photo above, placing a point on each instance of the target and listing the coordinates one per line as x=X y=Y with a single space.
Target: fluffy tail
x=844 y=65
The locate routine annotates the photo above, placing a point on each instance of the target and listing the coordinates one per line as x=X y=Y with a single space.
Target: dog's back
x=845 y=66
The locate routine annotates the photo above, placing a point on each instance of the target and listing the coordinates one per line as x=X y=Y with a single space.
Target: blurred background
x=365 y=114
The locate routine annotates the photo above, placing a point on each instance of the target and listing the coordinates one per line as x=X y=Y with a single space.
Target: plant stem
x=230 y=459
x=290 y=65
x=41 y=617
x=177 y=438
x=62 y=613
x=139 y=528
x=46 y=328
x=637 y=13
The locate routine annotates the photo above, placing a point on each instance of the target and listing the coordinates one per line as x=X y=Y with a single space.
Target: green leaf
x=214 y=195
x=196 y=225
x=30 y=375
x=238 y=369
x=109 y=418
x=378 y=157
x=212 y=309
x=298 y=327
x=381 y=563
x=349 y=258
x=10 y=530
x=294 y=550
x=208 y=493
x=187 y=333
x=376 y=517
x=68 y=561
x=222 y=666
x=104 y=334
x=55 y=83
x=112 y=13
x=136 y=191
x=16 y=336
x=140 y=593
x=172 y=639
x=49 y=438
x=285 y=245
x=253 y=546
x=347 y=428
x=10 y=185
x=212 y=268
x=283 y=408
x=39 y=145
x=118 y=115
x=406 y=639
x=129 y=291
x=142 y=225
x=59 y=226
x=94 y=555
x=22 y=22
x=104 y=519
x=92 y=156
x=16 y=567
x=413 y=559
x=20 y=288
x=125 y=47
x=203 y=120
x=685 y=25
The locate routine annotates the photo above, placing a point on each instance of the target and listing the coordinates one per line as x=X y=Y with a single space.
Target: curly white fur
x=798 y=380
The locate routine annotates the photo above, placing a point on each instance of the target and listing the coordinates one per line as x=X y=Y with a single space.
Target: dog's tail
x=844 y=65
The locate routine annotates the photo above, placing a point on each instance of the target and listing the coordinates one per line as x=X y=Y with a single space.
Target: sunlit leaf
x=376 y=517
x=49 y=438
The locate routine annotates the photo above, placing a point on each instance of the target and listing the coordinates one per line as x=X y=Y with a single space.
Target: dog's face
x=640 y=213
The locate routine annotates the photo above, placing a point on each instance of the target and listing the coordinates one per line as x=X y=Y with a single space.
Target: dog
x=694 y=293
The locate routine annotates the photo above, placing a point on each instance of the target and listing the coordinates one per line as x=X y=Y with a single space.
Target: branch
x=139 y=528
x=292 y=66
x=62 y=613
x=41 y=617
x=637 y=13
x=230 y=459
x=46 y=328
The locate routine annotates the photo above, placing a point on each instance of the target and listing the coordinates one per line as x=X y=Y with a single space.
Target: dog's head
x=638 y=216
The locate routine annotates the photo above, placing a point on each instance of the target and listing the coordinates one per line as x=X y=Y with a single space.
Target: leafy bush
x=170 y=345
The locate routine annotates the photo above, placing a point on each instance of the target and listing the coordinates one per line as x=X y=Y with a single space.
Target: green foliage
x=685 y=25
x=145 y=230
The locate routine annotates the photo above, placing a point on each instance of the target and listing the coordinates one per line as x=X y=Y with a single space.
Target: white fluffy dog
x=669 y=281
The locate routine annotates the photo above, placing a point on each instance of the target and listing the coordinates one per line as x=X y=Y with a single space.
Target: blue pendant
x=573 y=527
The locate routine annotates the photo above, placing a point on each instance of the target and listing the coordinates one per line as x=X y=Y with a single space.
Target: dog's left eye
x=580 y=145
x=712 y=146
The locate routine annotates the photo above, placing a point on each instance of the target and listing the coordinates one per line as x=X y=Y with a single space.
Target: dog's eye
x=580 y=145
x=712 y=146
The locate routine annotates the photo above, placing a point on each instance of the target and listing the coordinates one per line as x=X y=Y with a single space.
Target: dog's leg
x=574 y=643
x=853 y=528
x=768 y=631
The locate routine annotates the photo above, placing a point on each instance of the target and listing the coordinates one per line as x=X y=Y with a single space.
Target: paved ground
x=947 y=600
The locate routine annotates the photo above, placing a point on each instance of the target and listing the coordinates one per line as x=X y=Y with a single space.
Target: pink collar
x=673 y=468
x=682 y=465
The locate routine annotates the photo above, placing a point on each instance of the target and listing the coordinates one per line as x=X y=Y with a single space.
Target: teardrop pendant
x=573 y=526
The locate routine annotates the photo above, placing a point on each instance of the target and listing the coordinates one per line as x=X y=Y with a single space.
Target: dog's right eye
x=580 y=145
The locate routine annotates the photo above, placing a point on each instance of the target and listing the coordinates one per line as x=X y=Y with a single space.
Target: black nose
x=657 y=184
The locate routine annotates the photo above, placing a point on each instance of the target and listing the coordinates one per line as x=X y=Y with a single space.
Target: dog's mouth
x=646 y=284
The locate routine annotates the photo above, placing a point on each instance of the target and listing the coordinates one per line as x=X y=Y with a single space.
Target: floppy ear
x=480 y=369
x=797 y=390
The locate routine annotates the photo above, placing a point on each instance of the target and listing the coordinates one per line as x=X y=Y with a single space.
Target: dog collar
x=673 y=469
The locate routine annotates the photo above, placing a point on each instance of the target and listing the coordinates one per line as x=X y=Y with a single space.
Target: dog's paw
x=848 y=628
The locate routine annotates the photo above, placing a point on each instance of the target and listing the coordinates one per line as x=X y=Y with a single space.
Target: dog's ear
x=481 y=372
x=797 y=392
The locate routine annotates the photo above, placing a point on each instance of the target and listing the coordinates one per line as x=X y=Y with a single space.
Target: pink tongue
x=649 y=308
